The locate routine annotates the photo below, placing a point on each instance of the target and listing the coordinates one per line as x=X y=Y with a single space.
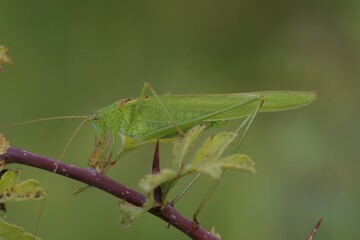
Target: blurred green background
x=73 y=57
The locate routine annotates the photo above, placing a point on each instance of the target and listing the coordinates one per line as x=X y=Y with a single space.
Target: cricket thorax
x=108 y=117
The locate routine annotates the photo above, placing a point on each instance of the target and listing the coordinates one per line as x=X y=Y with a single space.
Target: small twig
x=168 y=213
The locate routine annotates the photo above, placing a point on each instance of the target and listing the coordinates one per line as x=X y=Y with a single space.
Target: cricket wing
x=152 y=121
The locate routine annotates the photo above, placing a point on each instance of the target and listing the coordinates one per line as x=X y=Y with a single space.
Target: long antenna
x=41 y=120
x=57 y=165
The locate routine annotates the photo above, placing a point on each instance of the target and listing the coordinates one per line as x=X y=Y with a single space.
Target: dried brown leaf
x=4 y=57
x=4 y=145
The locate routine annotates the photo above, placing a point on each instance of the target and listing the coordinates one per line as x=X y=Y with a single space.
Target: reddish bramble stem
x=100 y=181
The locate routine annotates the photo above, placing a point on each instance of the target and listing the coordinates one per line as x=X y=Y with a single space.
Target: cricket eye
x=94 y=118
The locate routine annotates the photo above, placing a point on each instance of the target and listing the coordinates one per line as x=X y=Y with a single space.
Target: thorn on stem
x=158 y=195
x=314 y=230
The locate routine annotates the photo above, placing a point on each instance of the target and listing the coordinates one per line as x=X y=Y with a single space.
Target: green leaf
x=208 y=161
x=210 y=152
x=213 y=147
x=129 y=213
x=149 y=182
x=10 y=232
x=182 y=145
x=240 y=162
x=213 y=232
x=10 y=189
x=4 y=145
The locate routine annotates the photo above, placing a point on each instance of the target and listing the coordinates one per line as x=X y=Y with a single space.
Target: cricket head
x=108 y=117
x=98 y=123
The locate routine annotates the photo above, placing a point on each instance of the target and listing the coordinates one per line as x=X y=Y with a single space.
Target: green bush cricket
x=148 y=118
x=154 y=117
